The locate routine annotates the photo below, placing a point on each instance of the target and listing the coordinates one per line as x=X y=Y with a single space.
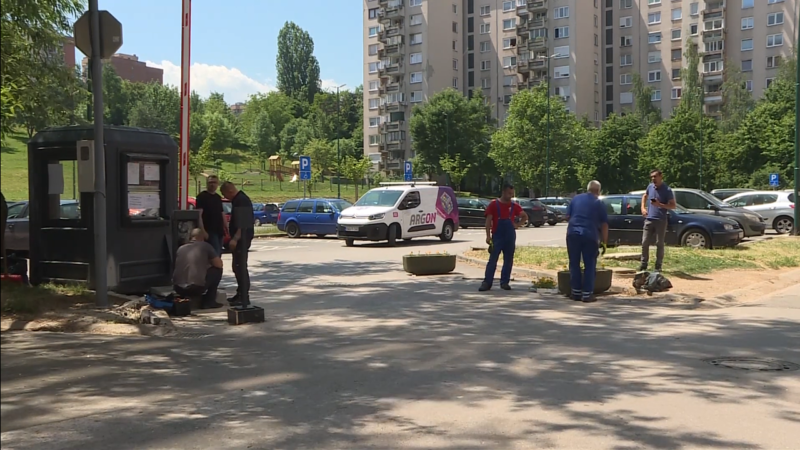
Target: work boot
x=505 y=287
x=642 y=268
x=484 y=287
x=591 y=299
x=213 y=305
x=234 y=301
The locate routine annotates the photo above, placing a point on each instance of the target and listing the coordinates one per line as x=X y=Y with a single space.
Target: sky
x=234 y=42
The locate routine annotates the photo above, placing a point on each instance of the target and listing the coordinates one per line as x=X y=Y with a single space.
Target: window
x=455 y=9
x=373 y=13
x=676 y=54
x=749 y=85
x=374 y=122
x=509 y=42
x=373 y=31
x=507 y=99
x=769 y=81
x=508 y=6
x=625 y=79
x=561 y=52
x=416 y=77
x=509 y=61
x=455 y=46
x=455 y=64
x=716 y=46
x=625 y=60
x=677 y=92
x=562 y=12
x=747 y=65
x=625 y=41
x=748 y=23
x=626 y=22
x=775 y=18
x=625 y=4
x=486 y=10
x=774 y=61
x=676 y=74
x=712 y=25
x=373 y=67
x=654 y=18
x=561 y=72
x=374 y=103
x=415 y=58
x=485 y=46
x=414 y=2
x=561 y=32
x=677 y=14
x=486 y=65
x=373 y=49
x=486 y=28
x=416 y=96
x=455 y=27
x=655 y=96
x=654 y=57
x=694 y=9
x=306 y=207
x=562 y=91
x=774 y=40
x=538 y=33
x=747 y=44
x=416 y=19
x=747 y=3
x=509 y=23
x=486 y=83
x=613 y=206
x=676 y=34
x=653 y=2
x=693 y=29
x=455 y=82
x=654 y=76
x=772 y=2
x=713 y=66
x=374 y=85
x=654 y=38
x=510 y=80
x=416 y=38
x=374 y=139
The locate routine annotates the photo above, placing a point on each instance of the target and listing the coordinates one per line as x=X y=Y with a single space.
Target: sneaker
x=484 y=287
x=505 y=287
x=213 y=305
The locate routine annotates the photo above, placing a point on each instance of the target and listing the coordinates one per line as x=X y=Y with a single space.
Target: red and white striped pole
x=186 y=45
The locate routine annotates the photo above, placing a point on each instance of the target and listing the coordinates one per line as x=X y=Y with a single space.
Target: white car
x=777 y=207
x=400 y=211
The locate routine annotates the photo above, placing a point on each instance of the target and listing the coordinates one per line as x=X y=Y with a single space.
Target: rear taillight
x=791 y=206
x=279 y=216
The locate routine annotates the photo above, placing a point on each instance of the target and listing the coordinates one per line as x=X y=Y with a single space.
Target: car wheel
x=447 y=232
x=552 y=223
x=292 y=230
x=321 y=236
x=783 y=225
x=392 y=238
x=349 y=242
x=538 y=224
x=695 y=238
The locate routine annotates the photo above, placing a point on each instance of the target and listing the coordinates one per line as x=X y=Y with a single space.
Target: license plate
x=741 y=234
x=351 y=228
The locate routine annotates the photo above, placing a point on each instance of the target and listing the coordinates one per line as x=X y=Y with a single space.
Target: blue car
x=685 y=228
x=265 y=213
x=311 y=216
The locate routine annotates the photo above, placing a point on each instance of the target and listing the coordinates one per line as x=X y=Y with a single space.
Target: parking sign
x=774 y=180
x=305 y=167
x=409 y=174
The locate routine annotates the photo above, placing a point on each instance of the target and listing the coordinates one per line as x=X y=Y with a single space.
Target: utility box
x=141 y=196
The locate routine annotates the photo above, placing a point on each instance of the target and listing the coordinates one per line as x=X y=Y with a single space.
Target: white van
x=400 y=211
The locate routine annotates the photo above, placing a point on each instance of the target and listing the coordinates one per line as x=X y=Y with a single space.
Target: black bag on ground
x=651 y=282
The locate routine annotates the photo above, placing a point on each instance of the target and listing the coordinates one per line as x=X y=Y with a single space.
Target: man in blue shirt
x=656 y=201
x=588 y=224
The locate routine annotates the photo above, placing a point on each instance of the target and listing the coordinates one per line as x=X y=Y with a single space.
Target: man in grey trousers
x=656 y=201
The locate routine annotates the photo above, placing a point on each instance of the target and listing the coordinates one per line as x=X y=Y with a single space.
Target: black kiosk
x=141 y=189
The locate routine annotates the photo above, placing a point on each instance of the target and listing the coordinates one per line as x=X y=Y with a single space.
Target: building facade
x=128 y=67
x=589 y=49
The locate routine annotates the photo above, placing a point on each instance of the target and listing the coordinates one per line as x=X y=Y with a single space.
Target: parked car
x=18 y=230
x=554 y=216
x=472 y=212
x=702 y=202
x=558 y=203
x=685 y=228
x=534 y=209
x=311 y=216
x=265 y=213
x=777 y=207
x=722 y=194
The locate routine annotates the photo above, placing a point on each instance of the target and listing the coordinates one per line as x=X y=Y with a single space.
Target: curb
x=732 y=298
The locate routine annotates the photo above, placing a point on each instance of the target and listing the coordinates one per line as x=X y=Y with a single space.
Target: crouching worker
x=588 y=224
x=198 y=270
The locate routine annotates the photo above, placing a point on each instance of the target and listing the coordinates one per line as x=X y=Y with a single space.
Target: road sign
x=110 y=34
x=409 y=174
x=774 y=180
x=305 y=167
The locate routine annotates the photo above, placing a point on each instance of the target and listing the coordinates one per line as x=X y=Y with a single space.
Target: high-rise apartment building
x=128 y=67
x=649 y=37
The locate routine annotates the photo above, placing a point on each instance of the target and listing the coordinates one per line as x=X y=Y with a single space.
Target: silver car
x=777 y=207
x=18 y=231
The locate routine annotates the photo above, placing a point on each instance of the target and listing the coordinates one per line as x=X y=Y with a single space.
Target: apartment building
x=128 y=67
x=415 y=48
x=649 y=37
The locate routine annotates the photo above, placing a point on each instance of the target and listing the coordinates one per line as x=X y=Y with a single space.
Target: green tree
x=614 y=155
x=263 y=139
x=297 y=67
x=323 y=157
x=455 y=168
x=50 y=103
x=692 y=95
x=295 y=136
x=737 y=100
x=159 y=108
x=116 y=101
x=644 y=110
x=355 y=170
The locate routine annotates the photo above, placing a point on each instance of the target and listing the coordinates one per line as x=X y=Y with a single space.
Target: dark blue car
x=625 y=224
x=265 y=213
x=311 y=216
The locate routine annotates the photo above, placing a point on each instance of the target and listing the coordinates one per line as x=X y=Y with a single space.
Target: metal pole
x=547 y=150
x=186 y=45
x=797 y=135
x=338 y=149
x=701 y=144
x=100 y=251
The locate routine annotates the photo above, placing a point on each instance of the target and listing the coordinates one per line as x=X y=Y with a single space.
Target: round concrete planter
x=429 y=264
x=602 y=281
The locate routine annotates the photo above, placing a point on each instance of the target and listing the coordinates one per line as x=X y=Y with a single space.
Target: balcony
x=538 y=22
x=391 y=126
x=392 y=10
x=523 y=66
x=393 y=106
x=392 y=69
x=392 y=87
x=539 y=63
x=539 y=43
x=713 y=97
x=535 y=6
x=715 y=9
x=384 y=35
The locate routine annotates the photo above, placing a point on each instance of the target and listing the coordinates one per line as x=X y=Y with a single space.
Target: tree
x=295 y=136
x=50 y=103
x=455 y=168
x=737 y=100
x=323 y=157
x=297 y=67
x=355 y=169
x=116 y=101
x=692 y=95
x=262 y=138
x=159 y=108
x=647 y=114
x=614 y=155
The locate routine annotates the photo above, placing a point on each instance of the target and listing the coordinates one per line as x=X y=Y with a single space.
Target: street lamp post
x=338 y=150
x=547 y=148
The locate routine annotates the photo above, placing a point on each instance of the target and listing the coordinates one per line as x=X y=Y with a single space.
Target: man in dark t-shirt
x=241 y=229
x=212 y=216
x=198 y=270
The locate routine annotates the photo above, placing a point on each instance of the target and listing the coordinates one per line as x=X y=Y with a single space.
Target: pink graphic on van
x=446 y=206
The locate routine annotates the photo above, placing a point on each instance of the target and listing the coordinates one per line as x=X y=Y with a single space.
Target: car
x=558 y=203
x=722 y=194
x=777 y=207
x=265 y=213
x=311 y=216
x=401 y=210
x=18 y=224
x=535 y=210
x=685 y=228
x=472 y=211
x=702 y=202
x=554 y=216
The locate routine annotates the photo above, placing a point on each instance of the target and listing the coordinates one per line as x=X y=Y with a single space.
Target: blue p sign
x=305 y=167
x=409 y=174
x=774 y=180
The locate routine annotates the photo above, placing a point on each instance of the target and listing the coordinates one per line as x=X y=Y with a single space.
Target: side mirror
x=713 y=207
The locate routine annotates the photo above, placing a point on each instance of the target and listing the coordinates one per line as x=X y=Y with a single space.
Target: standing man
x=501 y=235
x=198 y=270
x=241 y=229
x=212 y=216
x=656 y=201
x=588 y=224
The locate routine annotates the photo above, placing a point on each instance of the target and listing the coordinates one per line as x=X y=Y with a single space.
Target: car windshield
x=525 y=203
x=713 y=200
x=380 y=197
x=341 y=205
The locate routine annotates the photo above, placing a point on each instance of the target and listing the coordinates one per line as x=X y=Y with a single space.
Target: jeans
x=580 y=247
x=504 y=240
x=216 y=241
x=655 y=232
x=241 y=271
x=208 y=292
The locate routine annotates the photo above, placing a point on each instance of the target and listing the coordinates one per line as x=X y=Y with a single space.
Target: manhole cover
x=753 y=364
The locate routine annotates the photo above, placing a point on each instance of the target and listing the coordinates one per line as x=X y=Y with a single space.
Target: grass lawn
x=27 y=301
x=767 y=255
x=243 y=171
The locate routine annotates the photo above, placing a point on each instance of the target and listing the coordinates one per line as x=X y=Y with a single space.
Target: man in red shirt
x=501 y=235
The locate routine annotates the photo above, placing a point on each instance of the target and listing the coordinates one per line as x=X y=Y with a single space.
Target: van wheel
x=447 y=232
x=292 y=230
x=392 y=235
x=349 y=242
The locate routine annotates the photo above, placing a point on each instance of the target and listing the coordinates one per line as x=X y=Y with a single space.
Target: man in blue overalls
x=501 y=235
x=587 y=216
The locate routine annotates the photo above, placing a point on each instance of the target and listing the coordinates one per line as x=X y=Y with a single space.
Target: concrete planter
x=602 y=282
x=429 y=264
